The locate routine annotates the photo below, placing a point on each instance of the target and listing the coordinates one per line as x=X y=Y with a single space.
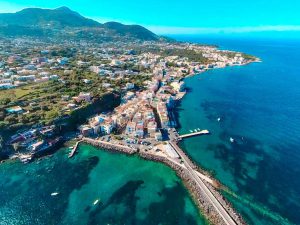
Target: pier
x=202 y=132
x=72 y=153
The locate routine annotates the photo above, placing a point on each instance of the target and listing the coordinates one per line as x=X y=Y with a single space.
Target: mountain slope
x=39 y=22
x=46 y=17
x=134 y=30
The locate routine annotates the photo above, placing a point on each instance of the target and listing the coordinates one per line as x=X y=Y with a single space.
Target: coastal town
x=44 y=86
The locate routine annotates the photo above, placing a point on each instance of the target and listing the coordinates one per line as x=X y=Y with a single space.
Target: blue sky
x=183 y=16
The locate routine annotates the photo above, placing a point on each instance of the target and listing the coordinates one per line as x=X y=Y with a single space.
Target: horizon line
x=173 y=30
x=163 y=30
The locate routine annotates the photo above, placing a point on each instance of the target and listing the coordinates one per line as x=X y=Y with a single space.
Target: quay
x=202 y=132
x=110 y=146
x=72 y=153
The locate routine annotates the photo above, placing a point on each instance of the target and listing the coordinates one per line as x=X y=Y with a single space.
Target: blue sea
x=128 y=190
x=259 y=107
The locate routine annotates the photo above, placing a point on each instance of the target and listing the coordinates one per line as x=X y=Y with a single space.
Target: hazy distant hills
x=67 y=23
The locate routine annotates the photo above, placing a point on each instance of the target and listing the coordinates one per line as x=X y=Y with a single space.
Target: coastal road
x=214 y=201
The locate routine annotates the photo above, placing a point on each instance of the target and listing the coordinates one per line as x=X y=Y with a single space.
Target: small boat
x=71 y=147
x=25 y=158
x=191 y=131
x=195 y=130
x=219 y=119
x=54 y=193
x=198 y=129
x=96 y=202
x=231 y=140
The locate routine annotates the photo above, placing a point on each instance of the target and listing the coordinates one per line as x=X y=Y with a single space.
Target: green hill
x=61 y=21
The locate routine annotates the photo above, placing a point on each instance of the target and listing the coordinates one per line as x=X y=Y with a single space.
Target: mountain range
x=63 y=22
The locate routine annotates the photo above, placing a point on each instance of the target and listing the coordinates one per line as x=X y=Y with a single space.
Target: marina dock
x=72 y=153
x=202 y=132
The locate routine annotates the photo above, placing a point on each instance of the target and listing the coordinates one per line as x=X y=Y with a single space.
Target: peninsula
x=108 y=85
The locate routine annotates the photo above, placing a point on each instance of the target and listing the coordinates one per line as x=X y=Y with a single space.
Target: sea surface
x=259 y=107
x=130 y=191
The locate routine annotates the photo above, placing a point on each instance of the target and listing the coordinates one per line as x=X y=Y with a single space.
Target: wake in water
x=263 y=210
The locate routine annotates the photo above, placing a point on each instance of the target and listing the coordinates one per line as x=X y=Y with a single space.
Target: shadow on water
x=266 y=175
x=255 y=173
x=121 y=208
x=37 y=205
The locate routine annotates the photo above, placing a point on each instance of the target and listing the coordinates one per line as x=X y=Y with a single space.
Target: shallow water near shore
x=130 y=190
x=258 y=106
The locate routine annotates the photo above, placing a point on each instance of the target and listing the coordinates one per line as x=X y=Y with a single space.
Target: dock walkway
x=72 y=153
x=202 y=132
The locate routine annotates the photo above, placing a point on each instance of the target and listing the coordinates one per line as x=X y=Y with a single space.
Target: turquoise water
x=259 y=106
x=130 y=191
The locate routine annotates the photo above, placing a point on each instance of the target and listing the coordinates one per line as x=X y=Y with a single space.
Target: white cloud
x=196 y=30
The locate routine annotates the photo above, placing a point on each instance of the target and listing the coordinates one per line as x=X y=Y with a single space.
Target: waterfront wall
x=108 y=146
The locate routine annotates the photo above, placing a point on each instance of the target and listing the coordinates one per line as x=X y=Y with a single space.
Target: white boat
x=54 y=193
x=96 y=201
x=198 y=129
x=191 y=131
x=219 y=119
x=25 y=158
x=231 y=140
x=195 y=130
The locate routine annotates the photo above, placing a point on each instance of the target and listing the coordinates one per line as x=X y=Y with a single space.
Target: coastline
x=199 y=198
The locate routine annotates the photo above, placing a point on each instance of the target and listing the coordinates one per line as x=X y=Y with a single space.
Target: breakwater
x=109 y=146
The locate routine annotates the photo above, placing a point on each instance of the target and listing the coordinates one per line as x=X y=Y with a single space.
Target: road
x=214 y=201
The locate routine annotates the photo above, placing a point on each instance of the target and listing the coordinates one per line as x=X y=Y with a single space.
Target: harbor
x=201 y=186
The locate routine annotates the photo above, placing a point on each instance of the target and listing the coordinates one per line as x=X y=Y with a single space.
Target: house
x=15 y=110
x=158 y=136
x=54 y=77
x=6 y=86
x=86 y=81
x=129 y=86
x=139 y=132
x=177 y=86
x=151 y=127
x=83 y=97
x=107 y=127
x=63 y=61
x=86 y=130
x=130 y=128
